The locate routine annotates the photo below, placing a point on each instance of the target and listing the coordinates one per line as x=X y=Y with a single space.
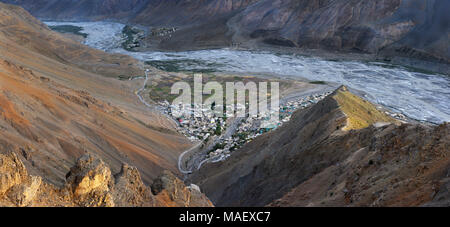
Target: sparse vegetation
x=160 y=90
x=218 y=130
x=184 y=65
x=318 y=82
x=159 y=93
x=124 y=77
x=130 y=34
x=69 y=29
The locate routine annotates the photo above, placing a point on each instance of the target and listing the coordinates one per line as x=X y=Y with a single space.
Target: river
x=418 y=95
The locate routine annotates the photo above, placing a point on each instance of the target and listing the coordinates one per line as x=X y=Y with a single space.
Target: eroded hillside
x=55 y=106
x=21 y=32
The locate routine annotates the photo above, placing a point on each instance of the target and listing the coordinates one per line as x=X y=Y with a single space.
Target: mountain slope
x=400 y=166
x=368 y=26
x=325 y=156
x=144 y=12
x=179 y=13
x=55 y=107
x=392 y=29
x=83 y=9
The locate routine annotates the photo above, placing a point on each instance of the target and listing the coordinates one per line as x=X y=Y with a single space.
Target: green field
x=185 y=65
x=129 y=32
x=69 y=29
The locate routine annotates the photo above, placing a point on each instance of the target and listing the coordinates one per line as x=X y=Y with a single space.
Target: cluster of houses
x=290 y=107
x=397 y=116
x=202 y=125
x=255 y=126
x=195 y=125
x=161 y=32
x=133 y=37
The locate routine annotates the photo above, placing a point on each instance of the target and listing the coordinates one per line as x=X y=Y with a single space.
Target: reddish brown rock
x=171 y=191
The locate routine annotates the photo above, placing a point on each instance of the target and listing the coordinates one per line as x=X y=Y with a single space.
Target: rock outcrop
x=15 y=184
x=91 y=184
x=172 y=192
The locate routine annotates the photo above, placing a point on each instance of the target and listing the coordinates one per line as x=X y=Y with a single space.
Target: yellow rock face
x=12 y=172
x=93 y=181
x=360 y=113
x=90 y=181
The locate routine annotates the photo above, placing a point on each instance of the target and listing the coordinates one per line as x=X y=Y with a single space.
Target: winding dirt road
x=180 y=158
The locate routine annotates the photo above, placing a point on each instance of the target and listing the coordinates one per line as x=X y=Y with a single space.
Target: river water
x=418 y=95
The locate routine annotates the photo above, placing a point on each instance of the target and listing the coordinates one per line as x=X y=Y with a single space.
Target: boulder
x=12 y=172
x=171 y=191
x=130 y=191
x=90 y=181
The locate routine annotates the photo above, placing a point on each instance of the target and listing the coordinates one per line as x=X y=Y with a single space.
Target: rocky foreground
x=90 y=183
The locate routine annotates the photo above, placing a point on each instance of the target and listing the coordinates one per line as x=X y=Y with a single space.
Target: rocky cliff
x=342 y=151
x=90 y=183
